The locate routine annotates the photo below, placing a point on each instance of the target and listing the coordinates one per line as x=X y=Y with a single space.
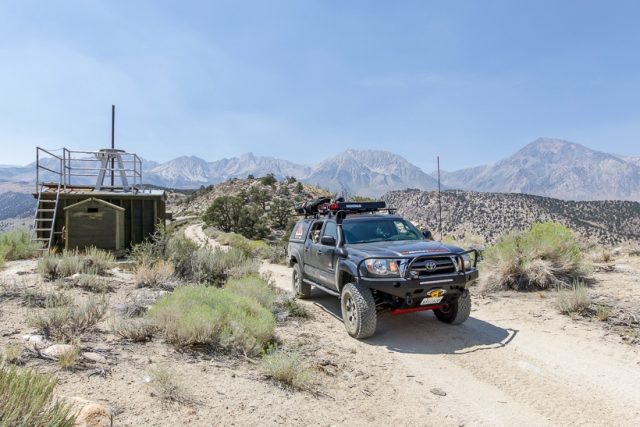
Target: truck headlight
x=466 y=259
x=382 y=267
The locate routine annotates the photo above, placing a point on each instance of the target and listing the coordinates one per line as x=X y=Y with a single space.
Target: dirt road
x=516 y=361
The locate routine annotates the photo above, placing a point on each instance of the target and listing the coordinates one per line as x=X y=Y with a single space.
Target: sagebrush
x=68 y=322
x=543 y=256
x=209 y=316
x=287 y=368
x=26 y=399
x=57 y=266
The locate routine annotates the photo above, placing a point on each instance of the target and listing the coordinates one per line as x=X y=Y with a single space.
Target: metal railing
x=75 y=168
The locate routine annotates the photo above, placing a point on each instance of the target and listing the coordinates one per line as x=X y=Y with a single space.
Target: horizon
x=217 y=80
x=428 y=171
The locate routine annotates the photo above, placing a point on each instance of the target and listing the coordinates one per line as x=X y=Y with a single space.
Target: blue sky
x=472 y=81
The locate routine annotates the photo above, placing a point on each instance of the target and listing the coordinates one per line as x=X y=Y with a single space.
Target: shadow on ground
x=422 y=333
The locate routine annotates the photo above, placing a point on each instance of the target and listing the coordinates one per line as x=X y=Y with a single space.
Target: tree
x=299 y=188
x=269 y=179
x=224 y=213
x=251 y=222
x=259 y=196
x=279 y=213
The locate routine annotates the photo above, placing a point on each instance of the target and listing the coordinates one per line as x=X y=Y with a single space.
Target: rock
x=623 y=268
x=57 y=349
x=438 y=391
x=94 y=357
x=36 y=341
x=94 y=415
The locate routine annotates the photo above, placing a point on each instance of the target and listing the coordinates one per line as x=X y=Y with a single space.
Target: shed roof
x=109 y=205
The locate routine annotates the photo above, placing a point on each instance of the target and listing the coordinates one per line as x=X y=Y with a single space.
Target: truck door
x=311 y=245
x=326 y=256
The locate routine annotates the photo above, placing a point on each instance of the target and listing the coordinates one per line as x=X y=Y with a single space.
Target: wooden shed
x=94 y=222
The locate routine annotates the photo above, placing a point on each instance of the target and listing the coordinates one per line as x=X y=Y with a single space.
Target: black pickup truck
x=375 y=261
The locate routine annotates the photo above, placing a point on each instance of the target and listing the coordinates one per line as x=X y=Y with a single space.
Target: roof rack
x=340 y=209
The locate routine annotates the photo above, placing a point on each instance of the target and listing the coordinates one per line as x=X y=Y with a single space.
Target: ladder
x=44 y=223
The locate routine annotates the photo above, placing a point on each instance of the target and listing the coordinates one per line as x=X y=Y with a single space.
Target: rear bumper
x=453 y=284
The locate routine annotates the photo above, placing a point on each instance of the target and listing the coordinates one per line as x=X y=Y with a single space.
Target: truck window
x=314 y=232
x=331 y=229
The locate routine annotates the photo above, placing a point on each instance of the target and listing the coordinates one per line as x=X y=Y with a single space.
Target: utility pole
x=439 y=202
x=113 y=140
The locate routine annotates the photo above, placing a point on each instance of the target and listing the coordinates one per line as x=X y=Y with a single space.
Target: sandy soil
x=516 y=361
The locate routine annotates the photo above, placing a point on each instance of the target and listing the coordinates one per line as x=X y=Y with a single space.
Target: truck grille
x=443 y=266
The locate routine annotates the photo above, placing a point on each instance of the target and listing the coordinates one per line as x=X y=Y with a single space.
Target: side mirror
x=328 y=240
x=427 y=234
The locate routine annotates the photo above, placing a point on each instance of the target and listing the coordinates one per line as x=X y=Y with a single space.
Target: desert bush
x=291 y=306
x=168 y=386
x=286 y=368
x=26 y=399
x=277 y=254
x=213 y=267
x=155 y=275
x=89 y=282
x=543 y=256
x=179 y=251
x=17 y=244
x=11 y=353
x=57 y=266
x=68 y=322
x=194 y=316
x=575 y=300
x=137 y=329
x=253 y=287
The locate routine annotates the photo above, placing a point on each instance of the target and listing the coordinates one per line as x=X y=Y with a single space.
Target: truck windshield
x=379 y=230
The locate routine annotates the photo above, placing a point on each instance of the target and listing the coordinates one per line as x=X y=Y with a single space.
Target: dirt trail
x=516 y=361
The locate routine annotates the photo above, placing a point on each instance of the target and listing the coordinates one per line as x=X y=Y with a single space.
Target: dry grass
x=574 y=301
x=68 y=322
x=26 y=399
x=287 y=368
x=167 y=385
x=12 y=353
x=546 y=255
x=92 y=261
x=136 y=330
x=90 y=282
x=69 y=359
x=155 y=275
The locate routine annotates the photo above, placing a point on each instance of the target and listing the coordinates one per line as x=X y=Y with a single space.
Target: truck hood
x=402 y=248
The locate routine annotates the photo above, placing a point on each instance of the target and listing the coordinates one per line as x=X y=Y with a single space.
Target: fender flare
x=345 y=267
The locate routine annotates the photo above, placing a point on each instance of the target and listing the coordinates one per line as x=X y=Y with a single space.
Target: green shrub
x=194 y=316
x=575 y=300
x=26 y=399
x=286 y=368
x=17 y=244
x=543 y=256
x=253 y=287
x=57 y=266
x=179 y=251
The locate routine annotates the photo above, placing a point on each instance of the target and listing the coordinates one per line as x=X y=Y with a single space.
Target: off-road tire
x=358 y=310
x=457 y=312
x=301 y=289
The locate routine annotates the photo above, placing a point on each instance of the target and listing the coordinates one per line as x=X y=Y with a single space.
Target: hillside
x=492 y=214
x=287 y=191
x=555 y=168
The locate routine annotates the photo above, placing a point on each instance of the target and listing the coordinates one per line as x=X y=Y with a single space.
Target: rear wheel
x=456 y=312
x=358 y=310
x=300 y=289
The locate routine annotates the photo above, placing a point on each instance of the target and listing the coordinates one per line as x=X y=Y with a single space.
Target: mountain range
x=545 y=167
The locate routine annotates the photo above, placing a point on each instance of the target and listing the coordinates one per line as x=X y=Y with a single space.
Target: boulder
x=57 y=349
x=94 y=414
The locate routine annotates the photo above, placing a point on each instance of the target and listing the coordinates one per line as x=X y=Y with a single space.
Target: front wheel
x=300 y=289
x=358 y=310
x=457 y=311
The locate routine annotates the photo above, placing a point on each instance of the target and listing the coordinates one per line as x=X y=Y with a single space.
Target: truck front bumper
x=453 y=284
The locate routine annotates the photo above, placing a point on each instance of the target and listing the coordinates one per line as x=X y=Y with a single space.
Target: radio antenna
x=439 y=202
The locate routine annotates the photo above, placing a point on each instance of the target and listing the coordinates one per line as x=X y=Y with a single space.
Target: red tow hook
x=414 y=309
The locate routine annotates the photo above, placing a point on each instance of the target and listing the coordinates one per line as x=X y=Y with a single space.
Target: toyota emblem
x=430 y=265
